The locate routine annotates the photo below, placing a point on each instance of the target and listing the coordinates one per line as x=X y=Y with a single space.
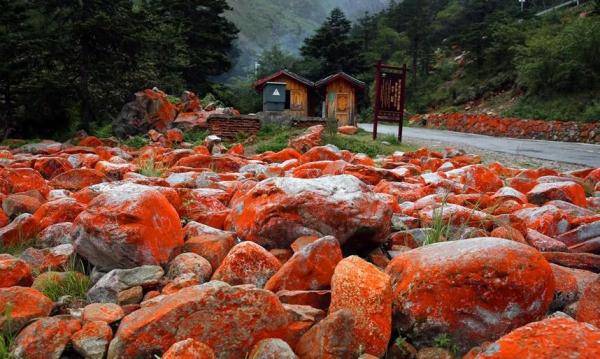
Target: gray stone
x=107 y=289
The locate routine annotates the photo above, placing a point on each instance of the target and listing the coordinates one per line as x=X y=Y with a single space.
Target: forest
x=69 y=65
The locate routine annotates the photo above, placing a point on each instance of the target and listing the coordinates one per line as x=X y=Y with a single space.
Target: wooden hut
x=340 y=93
x=298 y=91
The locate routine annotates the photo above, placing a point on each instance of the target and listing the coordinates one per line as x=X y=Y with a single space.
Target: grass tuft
x=445 y=341
x=195 y=136
x=150 y=168
x=136 y=142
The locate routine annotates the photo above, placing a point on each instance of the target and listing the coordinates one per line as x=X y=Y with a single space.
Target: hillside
x=264 y=23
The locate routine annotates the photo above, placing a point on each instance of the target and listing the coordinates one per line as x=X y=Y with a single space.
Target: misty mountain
x=264 y=23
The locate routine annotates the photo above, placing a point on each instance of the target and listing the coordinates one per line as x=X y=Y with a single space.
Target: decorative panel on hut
x=298 y=90
x=340 y=92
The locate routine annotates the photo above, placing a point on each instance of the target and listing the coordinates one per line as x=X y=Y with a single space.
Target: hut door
x=342 y=108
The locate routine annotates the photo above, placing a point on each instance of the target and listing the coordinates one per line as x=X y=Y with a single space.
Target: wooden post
x=402 y=102
x=377 y=98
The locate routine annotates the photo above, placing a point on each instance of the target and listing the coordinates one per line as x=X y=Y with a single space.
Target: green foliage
x=557 y=59
x=102 y=131
x=136 y=142
x=74 y=284
x=19 y=247
x=275 y=59
x=195 y=136
x=440 y=228
x=70 y=64
x=274 y=138
x=7 y=336
x=445 y=341
x=363 y=143
x=333 y=48
x=583 y=107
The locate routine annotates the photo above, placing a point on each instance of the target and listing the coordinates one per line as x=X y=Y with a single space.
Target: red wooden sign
x=390 y=93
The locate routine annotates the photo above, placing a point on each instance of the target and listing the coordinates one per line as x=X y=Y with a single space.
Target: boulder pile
x=309 y=252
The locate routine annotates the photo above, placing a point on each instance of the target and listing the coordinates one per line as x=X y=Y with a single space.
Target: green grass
x=102 y=131
x=195 y=137
x=16 y=249
x=150 y=168
x=445 y=341
x=578 y=107
x=15 y=143
x=440 y=227
x=7 y=336
x=74 y=284
x=362 y=142
x=274 y=138
x=136 y=142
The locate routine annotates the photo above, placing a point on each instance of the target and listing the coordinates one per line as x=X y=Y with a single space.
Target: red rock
x=556 y=337
x=506 y=193
x=56 y=234
x=21 y=230
x=282 y=254
x=566 y=290
x=278 y=157
x=203 y=207
x=279 y=210
x=321 y=153
x=364 y=290
x=190 y=264
x=508 y=232
x=57 y=211
x=580 y=234
x=42 y=260
x=272 y=349
x=189 y=349
x=478 y=177
x=45 y=338
x=16 y=204
x=90 y=141
x=220 y=163
x=237 y=149
x=565 y=191
x=114 y=171
x=544 y=243
x=585 y=261
x=78 y=178
x=310 y=268
x=50 y=167
x=331 y=338
x=547 y=220
x=309 y=139
x=23 y=179
x=14 y=272
x=348 y=130
x=174 y=135
x=493 y=285
x=213 y=247
x=23 y=304
x=588 y=308
x=91 y=341
x=302 y=242
x=128 y=226
x=4 y=220
x=104 y=312
x=228 y=319
x=247 y=263
x=319 y=299
x=454 y=214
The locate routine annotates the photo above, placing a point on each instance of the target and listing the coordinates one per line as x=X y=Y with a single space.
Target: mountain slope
x=264 y=23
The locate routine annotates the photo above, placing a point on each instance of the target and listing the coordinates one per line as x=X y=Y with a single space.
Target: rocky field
x=181 y=251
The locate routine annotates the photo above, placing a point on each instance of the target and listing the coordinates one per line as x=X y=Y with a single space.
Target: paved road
x=578 y=153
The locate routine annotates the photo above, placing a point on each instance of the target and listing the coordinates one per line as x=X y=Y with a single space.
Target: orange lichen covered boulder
x=310 y=268
x=477 y=177
x=21 y=230
x=91 y=341
x=130 y=225
x=212 y=246
x=279 y=210
x=272 y=348
x=45 y=338
x=23 y=179
x=548 y=220
x=104 y=312
x=565 y=191
x=551 y=338
x=364 y=290
x=78 y=178
x=50 y=167
x=309 y=139
x=16 y=204
x=57 y=211
x=588 y=308
x=189 y=349
x=331 y=338
x=14 y=272
x=247 y=263
x=348 y=130
x=228 y=319
x=24 y=304
x=474 y=290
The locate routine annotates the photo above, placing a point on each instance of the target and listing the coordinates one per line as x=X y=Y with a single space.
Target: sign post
x=390 y=93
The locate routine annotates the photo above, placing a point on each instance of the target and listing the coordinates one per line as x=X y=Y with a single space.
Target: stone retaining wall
x=230 y=127
x=513 y=127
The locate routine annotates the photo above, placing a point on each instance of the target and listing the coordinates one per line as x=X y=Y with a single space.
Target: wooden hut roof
x=258 y=85
x=356 y=82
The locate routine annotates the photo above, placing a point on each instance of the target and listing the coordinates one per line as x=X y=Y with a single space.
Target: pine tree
x=332 y=48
